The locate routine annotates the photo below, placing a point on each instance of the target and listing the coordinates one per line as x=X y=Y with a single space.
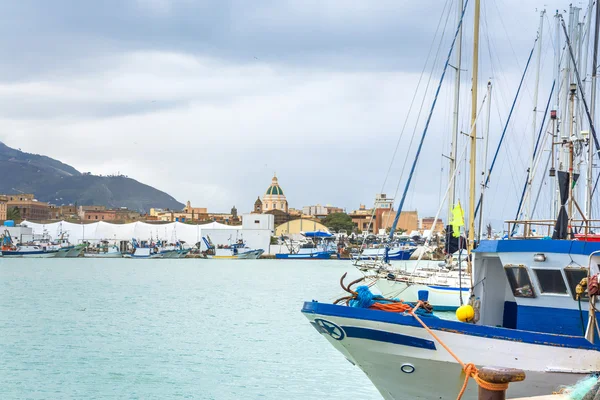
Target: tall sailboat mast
x=473 y=162
x=454 y=147
x=588 y=211
x=528 y=213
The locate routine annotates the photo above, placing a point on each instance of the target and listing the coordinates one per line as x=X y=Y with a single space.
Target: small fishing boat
x=151 y=251
x=318 y=248
x=237 y=250
x=104 y=250
x=144 y=252
x=9 y=249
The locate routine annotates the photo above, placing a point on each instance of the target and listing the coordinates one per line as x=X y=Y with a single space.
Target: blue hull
x=321 y=255
x=394 y=255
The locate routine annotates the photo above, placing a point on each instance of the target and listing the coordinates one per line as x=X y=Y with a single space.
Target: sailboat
x=532 y=308
x=449 y=284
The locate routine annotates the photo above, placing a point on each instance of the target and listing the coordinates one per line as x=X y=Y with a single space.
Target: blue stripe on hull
x=313 y=256
x=388 y=337
x=466 y=329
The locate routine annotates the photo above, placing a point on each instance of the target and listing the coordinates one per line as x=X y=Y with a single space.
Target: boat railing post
x=498 y=376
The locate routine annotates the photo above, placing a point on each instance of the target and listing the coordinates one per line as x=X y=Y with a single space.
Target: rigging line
x=533 y=157
x=414 y=98
x=487 y=179
x=412 y=170
x=437 y=215
x=421 y=110
x=416 y=91
x=587 y=110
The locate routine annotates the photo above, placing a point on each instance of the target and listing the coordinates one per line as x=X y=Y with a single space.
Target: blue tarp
x=318 y=234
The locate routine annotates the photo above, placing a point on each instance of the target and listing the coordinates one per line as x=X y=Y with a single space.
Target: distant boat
x=104 y=251
x=319 y=249
x=33 y=251
x=236 y=250
x=398 y=251
x=143 y=252
x=9 y=249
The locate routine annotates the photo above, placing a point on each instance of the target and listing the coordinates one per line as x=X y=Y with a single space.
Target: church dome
x=274 y=189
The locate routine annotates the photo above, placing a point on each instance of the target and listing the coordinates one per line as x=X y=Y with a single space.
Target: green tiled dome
x=275 y=190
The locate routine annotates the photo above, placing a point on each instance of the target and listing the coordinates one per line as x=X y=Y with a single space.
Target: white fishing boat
x=533 y=303
x=28 y=250
x=237 y=250
x=103 y=250
x=528 y=319
x=143 y=252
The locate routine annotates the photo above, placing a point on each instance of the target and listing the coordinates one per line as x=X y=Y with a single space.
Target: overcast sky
x=207 y=99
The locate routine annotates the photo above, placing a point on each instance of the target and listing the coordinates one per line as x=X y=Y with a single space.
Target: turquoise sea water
x=169 y=329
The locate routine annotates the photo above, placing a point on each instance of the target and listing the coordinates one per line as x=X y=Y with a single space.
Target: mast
x=485 y=154
x=473 y=162
x=555 y=120
x=454 y=147
x=588 y=211
x=535 y=111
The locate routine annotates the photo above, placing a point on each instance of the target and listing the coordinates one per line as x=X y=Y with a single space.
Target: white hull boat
x=404 y=362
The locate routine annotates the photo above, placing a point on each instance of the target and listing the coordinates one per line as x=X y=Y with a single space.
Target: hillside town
x=287 y=220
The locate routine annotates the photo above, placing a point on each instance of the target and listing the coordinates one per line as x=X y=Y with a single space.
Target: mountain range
x=58 y=183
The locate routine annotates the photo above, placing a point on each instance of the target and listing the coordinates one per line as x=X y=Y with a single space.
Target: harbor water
x=170 y=329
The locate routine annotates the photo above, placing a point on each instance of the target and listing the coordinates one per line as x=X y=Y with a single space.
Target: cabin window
x=551 y=281
x=519 y=281
x=574 y=276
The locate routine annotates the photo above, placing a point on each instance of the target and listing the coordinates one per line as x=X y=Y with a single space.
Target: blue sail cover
x=318 y=234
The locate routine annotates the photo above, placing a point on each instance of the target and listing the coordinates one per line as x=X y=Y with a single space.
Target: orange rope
x=391 y=307
x=470 y=369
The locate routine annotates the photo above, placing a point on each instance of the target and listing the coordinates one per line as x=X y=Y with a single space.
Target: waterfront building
x=274 y=199
x=82 y=209
x=294 y=227
x=195 y=213
x=29 y=208
x=383 y=217
x=115 y=215
x=427 y=224
x=279 y=216
x=319 y=211
x=3 y=207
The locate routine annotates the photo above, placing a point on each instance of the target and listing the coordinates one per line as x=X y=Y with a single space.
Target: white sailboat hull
x=440 y=297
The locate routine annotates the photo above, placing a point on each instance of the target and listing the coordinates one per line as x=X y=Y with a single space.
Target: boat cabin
x=531 y=284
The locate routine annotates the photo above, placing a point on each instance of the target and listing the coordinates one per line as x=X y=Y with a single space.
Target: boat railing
x=532 y=229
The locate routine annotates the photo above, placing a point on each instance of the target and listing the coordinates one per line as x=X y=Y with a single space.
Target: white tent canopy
x=141 y=231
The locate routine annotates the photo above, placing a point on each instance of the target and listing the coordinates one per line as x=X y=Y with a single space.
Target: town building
x=279 y=216
x=29 y=208
x=82 y=209
x=427 y=224
x=382 y=217
x=113 y=215
x=68 y=212
x=319 y=211
x=296 y=226
x=3 y=207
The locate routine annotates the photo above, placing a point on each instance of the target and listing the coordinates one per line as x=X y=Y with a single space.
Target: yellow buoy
x=465 y=313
